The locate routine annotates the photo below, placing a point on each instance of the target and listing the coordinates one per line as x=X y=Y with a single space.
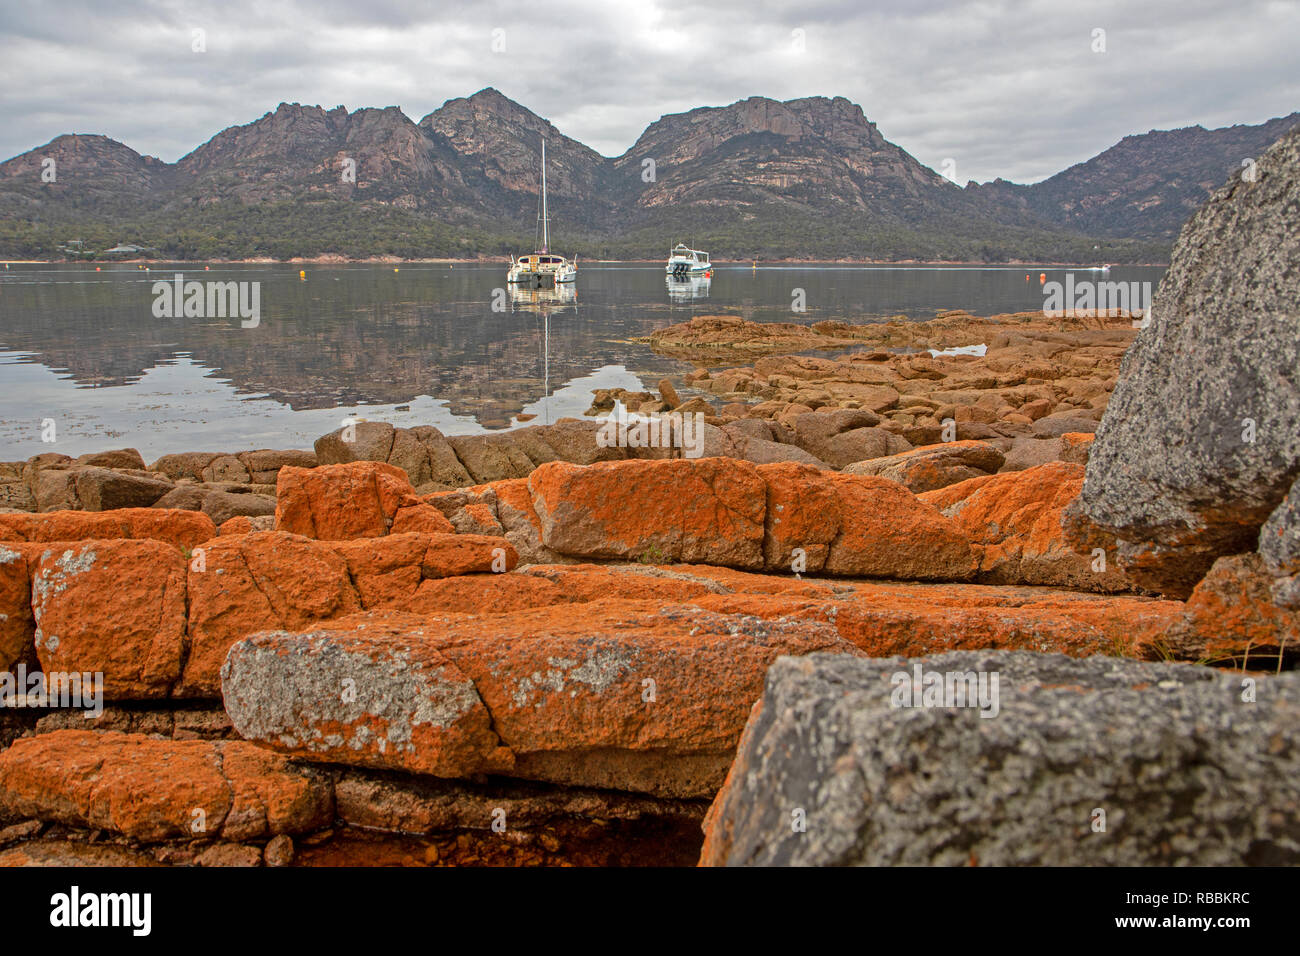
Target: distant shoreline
x=330 y=260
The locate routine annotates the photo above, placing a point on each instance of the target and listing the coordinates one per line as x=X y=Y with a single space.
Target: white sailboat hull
x=523 y=273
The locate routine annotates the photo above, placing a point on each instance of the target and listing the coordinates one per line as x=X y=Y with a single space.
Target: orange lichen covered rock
x=1231 y=618
x=384 y=569
x=884 y=619
x=581 y=583
x=17 y=628
x=722 y=580
x=549 y=585
x=944 y=498
x=244 y=584
x=483 y=594
x=449 y=555
x=422 y=518
x=1015 y=519
x=480 y=519
x=803 y=517
x=114 y=607
x=543 y=585
x=708 y=510
x=628 y=695
x=337 y=502
x=368 y=691
x=785 y=516
x=1075 y=447
x=502 y=508
x=239 y=524
x=181 y=529
x=152 y=790
x=887 y=532
x=246 y=524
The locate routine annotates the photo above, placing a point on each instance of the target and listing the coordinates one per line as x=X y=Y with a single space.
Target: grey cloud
x=1005 y=88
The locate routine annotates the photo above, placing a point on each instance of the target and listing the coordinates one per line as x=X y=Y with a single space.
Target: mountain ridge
x=758 y=175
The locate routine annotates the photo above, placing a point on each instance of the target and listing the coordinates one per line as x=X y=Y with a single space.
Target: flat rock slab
x=628 y=695
x=1101 y=761
x=153 y=790
x=398 y=803
x=181 y=529
x=371 y=696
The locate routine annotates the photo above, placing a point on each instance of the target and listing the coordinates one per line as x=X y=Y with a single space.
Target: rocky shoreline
x=534 y=648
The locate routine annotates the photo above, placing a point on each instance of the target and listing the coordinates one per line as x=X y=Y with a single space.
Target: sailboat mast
x=546 y=221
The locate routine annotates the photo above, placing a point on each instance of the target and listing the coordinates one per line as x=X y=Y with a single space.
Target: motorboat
x=685 y=261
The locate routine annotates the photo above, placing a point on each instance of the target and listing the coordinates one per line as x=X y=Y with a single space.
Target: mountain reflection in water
x=464 y=351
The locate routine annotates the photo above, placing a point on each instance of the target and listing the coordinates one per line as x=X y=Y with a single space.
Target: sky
x=1018 y=89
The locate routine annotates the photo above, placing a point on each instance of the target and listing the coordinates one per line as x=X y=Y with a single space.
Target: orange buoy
x=1026 y=276
x=302 y=274
x=1042 y=277
x=206 y=268
x=7 y=266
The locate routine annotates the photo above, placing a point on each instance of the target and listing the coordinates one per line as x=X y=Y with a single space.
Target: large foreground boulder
x=1200 y=442
x=1101 y=761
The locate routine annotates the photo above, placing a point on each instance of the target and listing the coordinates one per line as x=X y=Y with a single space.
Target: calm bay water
x=422 y=345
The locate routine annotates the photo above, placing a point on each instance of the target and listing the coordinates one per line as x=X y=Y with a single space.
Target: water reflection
x=686 y=288
x=450 y=341
x=544 y=301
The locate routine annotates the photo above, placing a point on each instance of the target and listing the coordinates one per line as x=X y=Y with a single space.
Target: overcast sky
x=1010 y=88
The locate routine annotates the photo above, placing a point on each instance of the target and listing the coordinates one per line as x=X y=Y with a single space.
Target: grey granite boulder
x=1279 y=546
x=1201 y=438
x=1100 y=761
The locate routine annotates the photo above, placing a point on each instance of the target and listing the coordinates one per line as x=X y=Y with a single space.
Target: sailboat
x=542 y=267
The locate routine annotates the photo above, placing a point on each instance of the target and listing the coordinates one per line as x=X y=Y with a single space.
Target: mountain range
x=810 y=177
